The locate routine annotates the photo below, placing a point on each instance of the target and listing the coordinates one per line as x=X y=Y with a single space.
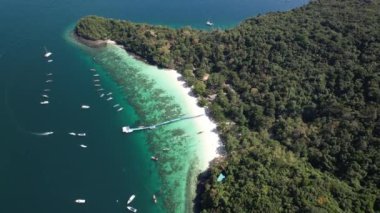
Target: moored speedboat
x=80 y=201
x=47 y=53
x=154 y=158
x=72 y=133
x=110 y=98
x=121 y=108
x=50 y=60
x=45 y=96
x=101 y=95
x=209 y=23
x=130 y=208
x=96 y=75
x=44 y=102
x=93 y=69
x=85 y=107
x=116 y=105
x=131 y=198
x=154 y=199
x=83 y=146
x=81 y=134
x=110 y=93
x=49 y=81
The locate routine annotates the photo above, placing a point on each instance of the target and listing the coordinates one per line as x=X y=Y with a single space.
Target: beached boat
x=44 y=102
x=209 y=23
x=131 y=209
x=47 y=53
x=131 y=198
x=154 y=199
x=154 y=158
x=83 y=146
x=72 y=133
x=81 y=134
x=85 y=107
x=80 y=201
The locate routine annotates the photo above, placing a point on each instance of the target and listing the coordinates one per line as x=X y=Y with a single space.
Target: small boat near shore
x=85 y=107
x=47 y=90
x=154 y=199
x=108 y=94
x=47 y=53
x=154 y=158
x=49 y=74
x=49 y=81
x=83 y=146
x=97 y=85
x=116 y=105
x=50 y=60
x=94 y=70
x=120 y=109
x=131 y=198
x=45 y=96
x=81 y=201
x=101 y=89
x=209 y=23
x=110 y=98
x=73 y=133
x=81 y=134
x=44 y=102
x=102 y=95
x=130 y=208
x=96 y=75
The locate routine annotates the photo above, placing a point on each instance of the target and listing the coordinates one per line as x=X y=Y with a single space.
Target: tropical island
x=296 y=96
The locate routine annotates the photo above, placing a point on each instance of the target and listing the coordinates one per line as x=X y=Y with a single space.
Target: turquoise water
x=47 y=173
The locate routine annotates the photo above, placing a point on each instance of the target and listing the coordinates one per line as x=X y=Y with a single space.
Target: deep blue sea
x=45 y=174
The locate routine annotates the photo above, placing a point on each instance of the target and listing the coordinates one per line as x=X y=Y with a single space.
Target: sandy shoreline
x=208 y=138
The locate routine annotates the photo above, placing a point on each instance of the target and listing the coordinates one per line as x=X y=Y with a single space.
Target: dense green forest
x=296 y=96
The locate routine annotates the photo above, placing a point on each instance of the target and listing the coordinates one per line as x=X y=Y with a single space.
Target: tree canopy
x=296 y=96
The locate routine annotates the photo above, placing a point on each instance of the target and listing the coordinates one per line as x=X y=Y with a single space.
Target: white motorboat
x=49 y=74
x=121 y=108
x=131 y=198
x=110 y=93
x=110 y=98
x=102 y=95
x=47 y=53
x=96 y=75
x=97 y=85
x=80 y=201
x=83 y=146
x=50 y=60
x=93 y=70
x=85 y=107
x=45 y=96
x=49 y=81
x=209 y=23
x=47 y=90
x=44 y=102
x=72 y=133
x=116 y=105
x=81 y=134
x=130 y=208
